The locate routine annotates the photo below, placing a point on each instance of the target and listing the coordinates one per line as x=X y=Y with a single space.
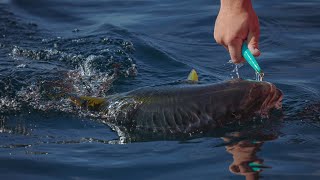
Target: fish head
x=261 y=97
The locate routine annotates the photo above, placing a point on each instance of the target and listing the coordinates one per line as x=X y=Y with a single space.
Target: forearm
x=236 y=5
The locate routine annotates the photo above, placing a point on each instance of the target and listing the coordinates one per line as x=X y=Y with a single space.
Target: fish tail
x=87 y=102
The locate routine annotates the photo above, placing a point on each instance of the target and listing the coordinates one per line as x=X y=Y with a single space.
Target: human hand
x=237 y=22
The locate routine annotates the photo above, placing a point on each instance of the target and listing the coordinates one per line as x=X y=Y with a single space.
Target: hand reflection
x=245 y=161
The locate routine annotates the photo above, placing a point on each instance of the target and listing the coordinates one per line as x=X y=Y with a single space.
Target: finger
x=253 y=42
x=226 y=47
x=235 y=51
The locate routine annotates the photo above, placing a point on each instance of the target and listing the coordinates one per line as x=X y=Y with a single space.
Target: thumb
x=253 y=43
x=235 y=51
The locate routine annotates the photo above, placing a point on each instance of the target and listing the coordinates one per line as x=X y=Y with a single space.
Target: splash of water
x=88 y=81
x=87 y=70
x=258 y=76
x=9 y=104
x=107 y=55
x=236 y=69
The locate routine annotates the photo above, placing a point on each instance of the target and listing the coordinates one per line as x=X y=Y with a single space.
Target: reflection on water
x=17 y=128
x=244 y=148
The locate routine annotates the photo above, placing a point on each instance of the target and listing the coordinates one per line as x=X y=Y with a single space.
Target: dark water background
x=47 y=40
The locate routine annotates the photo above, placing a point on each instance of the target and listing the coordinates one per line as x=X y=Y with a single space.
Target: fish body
x=188 y=108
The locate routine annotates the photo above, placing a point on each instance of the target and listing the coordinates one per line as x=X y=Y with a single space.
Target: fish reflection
x=244 y=148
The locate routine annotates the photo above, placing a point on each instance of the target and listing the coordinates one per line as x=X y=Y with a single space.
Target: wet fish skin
x=190 y=108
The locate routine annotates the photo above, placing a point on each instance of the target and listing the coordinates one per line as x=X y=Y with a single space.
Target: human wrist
x=236 y=5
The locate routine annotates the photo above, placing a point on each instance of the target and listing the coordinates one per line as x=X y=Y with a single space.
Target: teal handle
x=250 y=58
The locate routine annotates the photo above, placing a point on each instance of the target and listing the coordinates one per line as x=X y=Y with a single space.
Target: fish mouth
x=273 y=100
x=278 y=102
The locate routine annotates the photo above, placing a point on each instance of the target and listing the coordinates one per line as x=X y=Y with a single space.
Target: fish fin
x=193 y=76
x=91 y=103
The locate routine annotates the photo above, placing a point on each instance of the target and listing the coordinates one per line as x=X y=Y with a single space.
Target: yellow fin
x=92 y=103
x=193 y=76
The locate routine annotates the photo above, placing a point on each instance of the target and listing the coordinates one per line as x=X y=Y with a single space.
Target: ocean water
x=102 y=47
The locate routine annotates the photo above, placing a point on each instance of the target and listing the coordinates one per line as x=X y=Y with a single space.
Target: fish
x=185 y=108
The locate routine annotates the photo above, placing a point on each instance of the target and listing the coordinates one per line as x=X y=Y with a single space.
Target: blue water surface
x=151 y=42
